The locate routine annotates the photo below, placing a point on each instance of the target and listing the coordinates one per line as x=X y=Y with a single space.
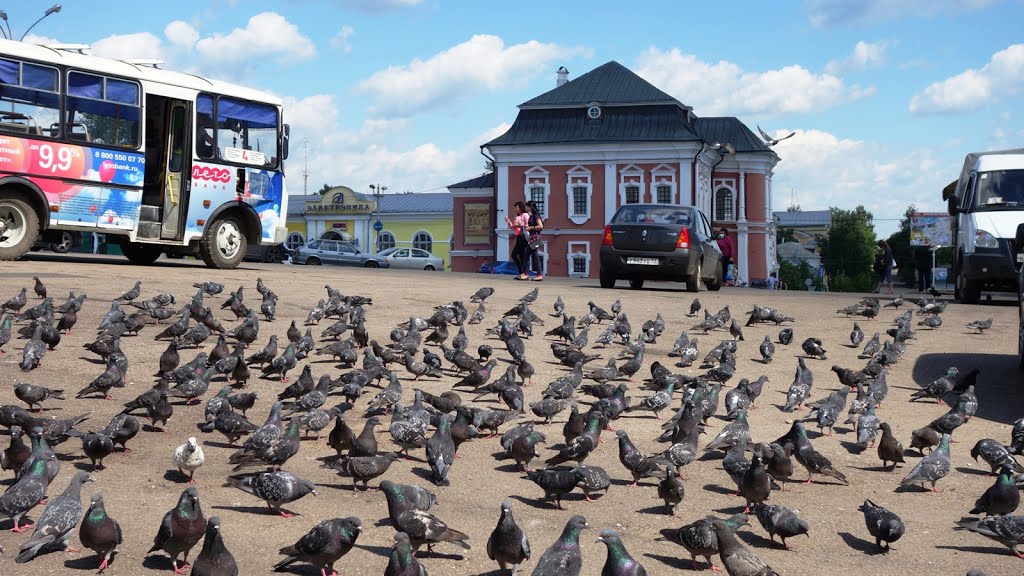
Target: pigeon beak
x=313 y=492
x=599 y=540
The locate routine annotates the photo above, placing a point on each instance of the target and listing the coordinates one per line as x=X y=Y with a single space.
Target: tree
x=323 y=190
x=794 y=208
x=902 y=251
x=848 y=250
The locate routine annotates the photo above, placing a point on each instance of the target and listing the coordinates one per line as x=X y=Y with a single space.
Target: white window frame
x=578 y=177
x=429 y=235
x=538 y=177
x=381 y=234
x=572 y=254
x=724 y=184
x=664 y=175
x=291 y=245
x=631 y=175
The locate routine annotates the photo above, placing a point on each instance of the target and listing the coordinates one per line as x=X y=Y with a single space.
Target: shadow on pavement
x=999 y=388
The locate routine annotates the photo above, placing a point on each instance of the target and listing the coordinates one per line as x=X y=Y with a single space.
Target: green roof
x=610 y=84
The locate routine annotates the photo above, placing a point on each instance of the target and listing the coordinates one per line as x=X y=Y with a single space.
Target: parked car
x=320 y=252
x=274 y=254
x=59 y=241
x=660 y=242
x=500 y=267
x=411 y=259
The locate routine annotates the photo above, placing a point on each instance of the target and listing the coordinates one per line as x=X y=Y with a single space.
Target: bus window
x=28 y=97
x=108 y=108
x=204 y=126
x=176 y=159
x=247 y=132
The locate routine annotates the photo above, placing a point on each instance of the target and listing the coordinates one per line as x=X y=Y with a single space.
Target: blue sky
x=885 y=96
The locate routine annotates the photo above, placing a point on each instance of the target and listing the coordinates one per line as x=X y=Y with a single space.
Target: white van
x=987 y=206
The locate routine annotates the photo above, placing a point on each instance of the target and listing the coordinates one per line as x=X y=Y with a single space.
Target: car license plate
x=642 y=261
x=1020 y=258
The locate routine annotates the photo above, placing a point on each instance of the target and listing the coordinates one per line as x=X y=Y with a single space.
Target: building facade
x=420 y=220
x=610 y=138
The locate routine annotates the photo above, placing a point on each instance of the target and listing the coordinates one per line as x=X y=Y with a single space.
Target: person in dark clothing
x=534 y=226
x=521 y=247
x=923 y=262
x=883 y=266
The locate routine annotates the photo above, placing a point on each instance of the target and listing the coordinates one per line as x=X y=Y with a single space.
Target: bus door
x=177 y=169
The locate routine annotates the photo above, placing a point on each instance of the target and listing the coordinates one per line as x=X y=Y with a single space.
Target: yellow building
x=407 y=219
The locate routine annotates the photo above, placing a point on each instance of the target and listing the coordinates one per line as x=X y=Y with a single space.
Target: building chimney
x=563 y=76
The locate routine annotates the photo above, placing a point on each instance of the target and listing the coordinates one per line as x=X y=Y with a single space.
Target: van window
x=999 y=190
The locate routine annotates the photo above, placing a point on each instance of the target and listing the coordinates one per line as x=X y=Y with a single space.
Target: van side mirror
x=1018 y=239
x=286 y=134
x=953 y=205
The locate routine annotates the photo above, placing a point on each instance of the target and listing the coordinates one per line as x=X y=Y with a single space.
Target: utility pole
x=305 y=169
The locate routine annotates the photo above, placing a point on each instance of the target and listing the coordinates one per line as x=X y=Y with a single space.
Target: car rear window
x=648 y=214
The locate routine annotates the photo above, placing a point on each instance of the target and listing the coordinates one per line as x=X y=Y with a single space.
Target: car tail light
x=606 y=240
x=683 y=241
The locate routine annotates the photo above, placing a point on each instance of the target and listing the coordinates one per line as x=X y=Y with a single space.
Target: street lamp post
x=378 y=191
x=51 y=10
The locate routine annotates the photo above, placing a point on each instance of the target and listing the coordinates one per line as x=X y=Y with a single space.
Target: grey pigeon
x=363 y=468
x=856 y=335
x=1001 y=498
x=556 y=482
x=214 y=559
x=979 y=325
x=995 y=454
x=35 y=395
x=883 y=524
x=1007 y=530
x=99 y=532
x=932 y=467
x=767 y=349
x=737 y=558
x=402 y=562
x=636 y=462
x=57 y=522
x=671 y=490
x=181 y=528
x=275 y=488
x=812 y=460
x=508 y=544
x=441 y=451
x=403 y=497
x=563 y=558
x=699 y=537
x=781 y=521
x=323 y=545
x=591 y=479
x=425 y=528
x=618 y=561
x=27 y=492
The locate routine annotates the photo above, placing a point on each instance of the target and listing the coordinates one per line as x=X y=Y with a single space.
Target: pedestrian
x=883 y=266
x=726 y=246
x=923 y=262
x=520 y=247
x=534 y=227
x=773 y=281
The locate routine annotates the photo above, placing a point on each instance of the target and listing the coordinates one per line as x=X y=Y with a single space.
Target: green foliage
x=794 y=275
x=902 y=251
x=794 y=208
x=785 y=235
x=323 y=189
x=848 y=250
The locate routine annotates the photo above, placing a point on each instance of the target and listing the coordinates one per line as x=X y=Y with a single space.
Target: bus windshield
x=244 y=132
x=999 y=190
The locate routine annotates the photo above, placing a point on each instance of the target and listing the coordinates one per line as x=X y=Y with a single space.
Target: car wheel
x=272 y=255
x=223 y=246
x=19 y=227
x=693 y=282
x=607 y=280
x=636 y=284
x=313 y=262
x=429 y=268
x=141 y=254
x=716 y=283
x=969 y=290
x=65 y=243
x=371 y=264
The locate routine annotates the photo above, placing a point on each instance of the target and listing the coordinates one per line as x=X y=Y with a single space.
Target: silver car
x=340 y=252
x=411 y=259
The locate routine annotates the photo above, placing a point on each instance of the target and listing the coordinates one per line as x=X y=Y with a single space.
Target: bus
x=159 y=162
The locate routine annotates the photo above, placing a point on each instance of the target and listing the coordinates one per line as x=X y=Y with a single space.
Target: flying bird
x=773 y=141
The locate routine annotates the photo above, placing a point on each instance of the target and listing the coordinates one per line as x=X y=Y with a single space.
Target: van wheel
x=970 y=290
x=19 y=226
x=223 y=246
x=636 y=284
x=141 y=254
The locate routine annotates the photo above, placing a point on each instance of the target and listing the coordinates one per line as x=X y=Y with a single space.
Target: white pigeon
x=189 y=456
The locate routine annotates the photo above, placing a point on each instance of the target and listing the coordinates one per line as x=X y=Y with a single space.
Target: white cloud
x=864 y=55
x=724 y=88
x=482 y=63
x=127 y=46
x=973 y=88
x=341 y=40
x=823 y=170
x=267 y=35
x=824 y=13
x=182 y=34
x=37 y=39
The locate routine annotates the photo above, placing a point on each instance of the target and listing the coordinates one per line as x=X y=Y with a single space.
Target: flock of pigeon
x=375 y=377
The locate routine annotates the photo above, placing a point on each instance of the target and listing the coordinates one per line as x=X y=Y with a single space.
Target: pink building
x=606 y=139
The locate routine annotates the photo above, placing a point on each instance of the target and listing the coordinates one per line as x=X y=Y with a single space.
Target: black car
x=660 y=242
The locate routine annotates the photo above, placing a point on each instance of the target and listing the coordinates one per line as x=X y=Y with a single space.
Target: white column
x=611 y=191
x=769 y=239
x=743 y=250
x=501 y=203
x=686 y=183
x=743 y=197
x=310 y=229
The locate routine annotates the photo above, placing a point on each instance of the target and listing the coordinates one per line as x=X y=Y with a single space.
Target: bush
x=865 y=282
x=794 y=275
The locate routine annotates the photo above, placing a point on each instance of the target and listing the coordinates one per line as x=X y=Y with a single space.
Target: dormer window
x=593 y=112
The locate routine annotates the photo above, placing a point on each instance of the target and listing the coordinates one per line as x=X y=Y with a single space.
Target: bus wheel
x=141 y=254
x=223 y=245
x=19 y=226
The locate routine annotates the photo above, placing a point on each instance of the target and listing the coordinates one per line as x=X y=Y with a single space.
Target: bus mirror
x=285 y=137
x=953 y=205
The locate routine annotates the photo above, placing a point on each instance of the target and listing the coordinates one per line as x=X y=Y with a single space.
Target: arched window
x=423 y=241
x=294 y=241
x=724 y=209
x=385 y=240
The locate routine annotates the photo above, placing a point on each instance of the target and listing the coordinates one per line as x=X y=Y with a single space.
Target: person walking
x=520 y=247
x=883 y=266
x=726 y=246
x=534 y=227
x=923 y=262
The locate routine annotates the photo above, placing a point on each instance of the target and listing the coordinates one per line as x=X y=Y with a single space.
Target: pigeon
x=591 y=479
x=926 y=437
x=214 y=559
x=871 y=347
x=363 y=468
x=932 y=467
x=1001 y=498
x=210 y=288
x=811 y=459
x=275 y=488
x=695 y=307
x=812 y=347
x=99 y=532
x=671 y=490
x=932 y=322
x=996 y=455
x=482 y=294
x=35 y=395
x=96 y=448
x=779 y=463
x=323 y=545
x=402 y=562
x=441 y=452
x=33 y=352
x=889 y=448
x=618 y=561
x=189 y=456
x=781 y=521
x=883 y=524
x=556 y=482
x=786 y=336
x=979 y=325
x=425 y=528
x=937 y=388
x=1007 y=530
x=638 y=464
x=274 y=452
x=856 y=335
x=131 y=294
x=699 y=537
x=563 y=558
x=28 y=491
x=57 y=522
x=524 y=448
x=181 y=529
x=17 y=453
x=756 y=484
x=737 y=558
x=829 y=409
x=16 y=303
x=767 y=350
x=508 y=544
x=403 y=497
